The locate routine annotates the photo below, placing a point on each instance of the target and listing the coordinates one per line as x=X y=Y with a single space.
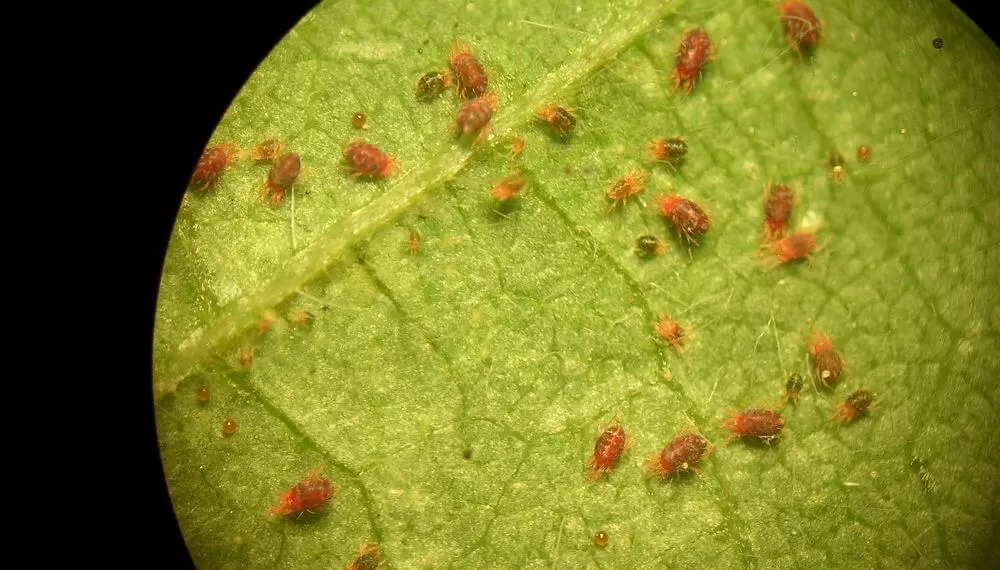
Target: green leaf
x=454 y=396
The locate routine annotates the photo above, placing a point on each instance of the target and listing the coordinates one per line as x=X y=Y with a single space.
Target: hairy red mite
x=228 y=427
x=864 y=153
x=669 y=330
x=413 y=242
x=626 y=187
x=793 y=387
x=649 y=245
x=827 y=362
x=801 y=26
x=560 y=119
x=688 y=218
x=211 y=165
x=432 y=84
x=369 y=558
x=267 y=151
x=367 y=160
x=283 y=174
x=601 y=539
x=308 y=496
x=670 y=151
x=474 y=117
x=607 y=450
x=681 y=455
x=857 y=404
x=779 y=201
x=508 y=187
x=470 y=77
x=692 y=54
x=760 y=424
x=796 y=247
x=517 y=147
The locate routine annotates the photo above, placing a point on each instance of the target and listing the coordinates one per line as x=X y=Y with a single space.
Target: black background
x=202 y=55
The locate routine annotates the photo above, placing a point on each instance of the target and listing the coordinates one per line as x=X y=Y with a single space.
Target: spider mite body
x=760 y=424
x=856 y=405
x=432 y=84
x=607 y=450
x=689 y=219
x=796 y=247
x=470 y=76
x=308 y=496
x=267 y=151
x=669 y=330
x=211 y=165
x=517 y=147
x=827 y=363
x=626 y=187
x=681 y=455
x=778 y=204
x=283 y=173
x=650 y=245
x=793 y=387
x=692 y=54
x=508 y=188
x=367 y=160
x=369 y=558
x=474 y=117
x=670 y=151
x=801 y=26
x=864 y=153
x=560 y=119
x=413 y=243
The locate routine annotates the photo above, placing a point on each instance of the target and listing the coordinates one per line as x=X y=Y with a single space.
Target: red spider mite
x=670 y=151
x=367 y=160
x=796 y=247
x=308 y=496
x=474 y=116
x=692 y=54
x=857 y=404
x=517 y=147
x=672 y=332
x=413 y=242
x=761 y=424
x=688 y=218
x=508 y=188
x=827 y=362
x=469 y=74
x=801 y=26
x=211 y=165
x=561 y=119
x=267 y=151
x=626 y=187
x=369 y=558
x=681 y=455
x=607 y=450
x=283 y=173
x=779 y=201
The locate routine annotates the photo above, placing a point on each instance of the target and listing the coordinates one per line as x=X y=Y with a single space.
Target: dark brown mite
x=432 y=84
x=649 y=246
x=793 y=387
x=670 y=150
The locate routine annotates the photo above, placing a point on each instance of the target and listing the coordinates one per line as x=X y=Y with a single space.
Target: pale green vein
x=414 y=186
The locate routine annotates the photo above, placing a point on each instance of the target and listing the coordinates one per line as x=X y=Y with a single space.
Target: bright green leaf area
x=519 y=335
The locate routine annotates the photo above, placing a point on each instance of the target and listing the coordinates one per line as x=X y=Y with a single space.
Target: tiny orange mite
x=796 y=247
x=856 y=405
x=626 y=187
x=681 y=455
x=560 y=119
x=228 y=427
x=779 y=201
x=301 y=318
x=369 y=558
x=470 y=77
x=283 y=174
x=688 y=218
x=509 y=187
x=245 y=357
x=607 y=450
x=267 y=151
x=204 y=394
x=310 y=495
x=474 y=117
x=801 y=26
x=413 y=243
x=755 y=424
x=692 y=54
x=368 y=161
x=359 y=120
x=517 y=147
x=864 y=153
x=672 y=332
x=211 y=165
x=601 y=539
x=827 y=362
